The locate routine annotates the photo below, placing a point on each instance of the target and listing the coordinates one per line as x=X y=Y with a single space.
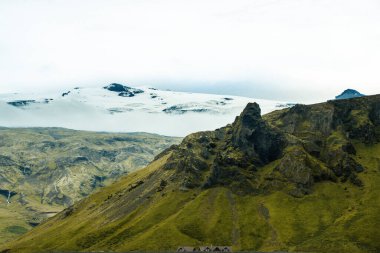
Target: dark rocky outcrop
x=254 y=136
x=124 y=91
x=27 y=102
x=302 y=169
x=181 y=109
x=65 y=93
x=21 y=103
x=374 y=114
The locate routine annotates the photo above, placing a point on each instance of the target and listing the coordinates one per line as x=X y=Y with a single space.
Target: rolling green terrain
x=303 y=179
x=44 y=170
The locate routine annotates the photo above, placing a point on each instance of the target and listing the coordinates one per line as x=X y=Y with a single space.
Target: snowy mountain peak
x=349 y=93
x=121 y=108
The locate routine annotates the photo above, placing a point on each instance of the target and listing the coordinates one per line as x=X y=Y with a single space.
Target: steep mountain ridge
x=304 y=179
x=307 y=141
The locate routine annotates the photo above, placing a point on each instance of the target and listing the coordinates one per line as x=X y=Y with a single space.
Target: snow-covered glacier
x=120 y=108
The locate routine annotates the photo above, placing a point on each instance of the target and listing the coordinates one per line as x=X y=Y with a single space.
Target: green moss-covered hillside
x=303 y=179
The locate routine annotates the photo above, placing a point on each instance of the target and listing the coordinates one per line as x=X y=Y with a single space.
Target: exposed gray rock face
x=124 y=91
x=254 y=136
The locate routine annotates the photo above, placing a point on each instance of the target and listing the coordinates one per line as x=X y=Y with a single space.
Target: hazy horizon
x=284 y=50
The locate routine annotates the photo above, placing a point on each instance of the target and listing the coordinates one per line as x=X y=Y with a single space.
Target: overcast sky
x=281 y=49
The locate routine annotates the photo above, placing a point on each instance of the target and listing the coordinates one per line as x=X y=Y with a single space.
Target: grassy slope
x=42 y=149
x=334 y=218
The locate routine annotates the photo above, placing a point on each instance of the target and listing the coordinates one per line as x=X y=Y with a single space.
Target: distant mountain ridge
x=349 y=93
x=301 y=179
x=44 y=170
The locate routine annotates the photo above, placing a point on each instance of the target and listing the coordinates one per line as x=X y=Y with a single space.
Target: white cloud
x=311 y=47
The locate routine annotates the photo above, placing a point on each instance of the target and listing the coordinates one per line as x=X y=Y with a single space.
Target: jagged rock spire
x=253 y=135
